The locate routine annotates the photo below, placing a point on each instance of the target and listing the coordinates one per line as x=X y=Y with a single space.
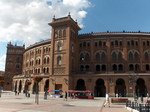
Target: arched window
x=120 y=67
x=116 y=43
x=59 y=46
x=132 y=42
x=82 y=57
x=87 y=57
x=147 y=67
x=39 y=61
x=137 y=67
x=114 y=56
x=103 y=67
x=130 y=56
x=64 y=33
x=59 y=60
x=100 y=43
x=97 y=57
x=136 y=56
x=44 y=70
x=39 y=70
x=131 y=67
x=103 y=56
x=47 y=71
x=114 y=67
x=146 y=56
x=81 y=68
x=87 y=67
x=47 y=60
x=60 y=33
x=97 y=67
x=36 y=62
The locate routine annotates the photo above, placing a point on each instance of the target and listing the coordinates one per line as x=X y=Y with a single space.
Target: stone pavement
x=9 y=102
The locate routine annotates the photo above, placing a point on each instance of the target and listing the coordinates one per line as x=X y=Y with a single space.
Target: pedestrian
x=66 y=95
x=45 y=95
x=18 y=92
x=147 y=99
x=107 y=102
x=15 y=92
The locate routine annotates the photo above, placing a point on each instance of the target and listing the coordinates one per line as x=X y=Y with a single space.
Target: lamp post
x=132 y=80
x=37 y=79
x=27 y=83
x=110 y=84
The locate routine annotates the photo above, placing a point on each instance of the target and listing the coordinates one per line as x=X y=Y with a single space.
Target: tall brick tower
x=13 y=65
x=63 y=45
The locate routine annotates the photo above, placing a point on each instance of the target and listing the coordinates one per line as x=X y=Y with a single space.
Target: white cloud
x=2 y=62
x=27 y=20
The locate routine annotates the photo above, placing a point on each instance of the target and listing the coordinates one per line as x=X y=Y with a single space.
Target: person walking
x=147 y=98
x=107 y=102
x=66 y=95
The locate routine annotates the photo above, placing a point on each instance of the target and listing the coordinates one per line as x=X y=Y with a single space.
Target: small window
x=88 y=44
x=143 y=43
x=132 y=43
x=84 y=44
x=59 y=60
x=64 y=33
x=136 y=43
x=104 y=43
x=120 y=43
x=100 y=43
x=59 y=46
x=116 y=43
x=95 y=44
x=147 y=43
x=112 y=43
x=128 y=43
x=80 y=44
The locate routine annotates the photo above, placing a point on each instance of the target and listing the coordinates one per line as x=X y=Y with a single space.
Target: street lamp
x=27 y=83
x=110 y=84
x=132 y=80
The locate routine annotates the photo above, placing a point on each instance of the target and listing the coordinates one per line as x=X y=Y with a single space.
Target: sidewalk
x=9 y=102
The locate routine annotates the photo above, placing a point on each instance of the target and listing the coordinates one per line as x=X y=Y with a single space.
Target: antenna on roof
x=69 y=14
x=54 y=16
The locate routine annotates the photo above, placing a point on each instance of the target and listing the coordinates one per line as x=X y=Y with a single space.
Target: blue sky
x=118 y=15
x=25 y=22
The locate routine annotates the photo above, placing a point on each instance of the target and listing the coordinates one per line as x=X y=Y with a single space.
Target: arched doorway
x=20 y=86
x=140 y=88
x=100 y=89
x=46 y=86
x=80 y=85
x=120 y=88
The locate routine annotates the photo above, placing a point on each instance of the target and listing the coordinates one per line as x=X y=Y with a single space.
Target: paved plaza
x=9 y=102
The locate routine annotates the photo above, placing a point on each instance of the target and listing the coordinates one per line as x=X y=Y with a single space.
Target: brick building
x=13 y=65
x=114 y=62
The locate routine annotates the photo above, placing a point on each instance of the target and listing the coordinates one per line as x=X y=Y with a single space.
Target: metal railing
x=144 y=107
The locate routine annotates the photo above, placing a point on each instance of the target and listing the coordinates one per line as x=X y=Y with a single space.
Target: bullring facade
x=113 y=62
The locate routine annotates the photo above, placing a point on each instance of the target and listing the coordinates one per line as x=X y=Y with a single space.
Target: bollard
x=141 y=98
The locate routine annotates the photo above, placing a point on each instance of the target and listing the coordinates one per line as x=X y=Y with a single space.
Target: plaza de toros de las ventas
x=102 y=62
